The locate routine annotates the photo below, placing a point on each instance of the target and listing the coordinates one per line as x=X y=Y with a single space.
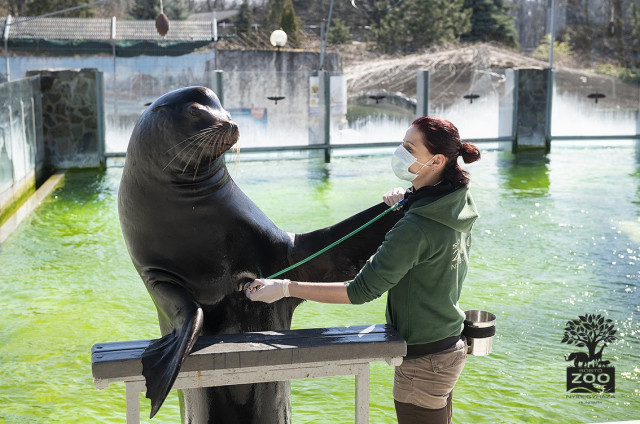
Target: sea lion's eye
x=195 y=109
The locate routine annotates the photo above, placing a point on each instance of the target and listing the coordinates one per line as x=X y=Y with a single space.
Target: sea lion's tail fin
x=162 y=359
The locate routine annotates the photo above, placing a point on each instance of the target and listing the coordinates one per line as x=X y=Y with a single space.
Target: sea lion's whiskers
x=213 y=147
x=237 y=150
x=195 y=147
x=205 y=137
x=191 y=141
x=183 y=141
x=194 y=151
x=199 y=138
x=204 y=147
x=189 y=145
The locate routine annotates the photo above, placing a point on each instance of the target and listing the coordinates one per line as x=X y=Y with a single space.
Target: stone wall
x=21 y=142
x=73 y=117
x=50 y=120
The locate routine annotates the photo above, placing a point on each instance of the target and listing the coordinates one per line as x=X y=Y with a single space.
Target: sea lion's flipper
x=343 y=261
x=179 y=313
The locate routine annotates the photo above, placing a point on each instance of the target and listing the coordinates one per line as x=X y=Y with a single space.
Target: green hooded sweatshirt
x=422 y=263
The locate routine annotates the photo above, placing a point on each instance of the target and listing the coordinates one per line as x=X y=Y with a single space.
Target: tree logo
x=589 y=373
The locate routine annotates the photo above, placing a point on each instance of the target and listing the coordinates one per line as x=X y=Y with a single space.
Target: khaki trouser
x=427 y=383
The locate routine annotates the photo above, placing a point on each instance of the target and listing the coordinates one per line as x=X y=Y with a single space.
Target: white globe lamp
x=278 y=38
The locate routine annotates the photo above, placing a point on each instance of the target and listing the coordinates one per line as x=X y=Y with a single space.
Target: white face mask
x=402 y=160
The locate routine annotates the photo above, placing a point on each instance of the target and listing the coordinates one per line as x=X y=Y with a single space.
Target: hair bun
x=469 y=152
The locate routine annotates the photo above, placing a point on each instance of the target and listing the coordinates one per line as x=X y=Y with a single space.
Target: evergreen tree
x=339 y=32
x=491 y=22
x=150 y=9
x=13 y=7
x=145 y=9
x=635 y=22
x=176 y=9
x=274 y=15
x=40 y=7
x=244 y=20
x=417 y=24
x=289 y=22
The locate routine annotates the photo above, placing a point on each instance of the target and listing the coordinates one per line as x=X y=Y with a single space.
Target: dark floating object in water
x=275 y=98
x=470 y=97
x=162 y=24
x=596 y=96
x=377 y=97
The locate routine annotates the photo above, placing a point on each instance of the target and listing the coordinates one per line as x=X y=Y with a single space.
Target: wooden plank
x=259 y=336
x=235 y=376
x=122 y=359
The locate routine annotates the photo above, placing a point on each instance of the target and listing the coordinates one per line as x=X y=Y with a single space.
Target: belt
x=433 y=347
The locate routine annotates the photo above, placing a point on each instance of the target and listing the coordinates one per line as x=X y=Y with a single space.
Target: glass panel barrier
x=586 y=104
x=478 y=101
x=271 y=108
x=380 y=115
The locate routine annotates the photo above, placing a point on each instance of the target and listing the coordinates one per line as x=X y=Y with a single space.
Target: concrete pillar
x=422 y=104
x=72 y=117
x=533 y=109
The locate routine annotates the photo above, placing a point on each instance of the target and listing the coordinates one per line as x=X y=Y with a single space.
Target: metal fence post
x=325 y=101
x=547 y=136
x=422 y=105
x=218 y=86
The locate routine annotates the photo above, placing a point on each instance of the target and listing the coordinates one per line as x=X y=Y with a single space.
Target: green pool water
x=558 y=237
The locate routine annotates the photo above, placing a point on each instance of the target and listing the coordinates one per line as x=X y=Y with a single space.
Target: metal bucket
x=479 y=329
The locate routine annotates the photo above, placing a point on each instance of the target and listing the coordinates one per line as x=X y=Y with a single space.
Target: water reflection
x=525 y=174
x=319 y=176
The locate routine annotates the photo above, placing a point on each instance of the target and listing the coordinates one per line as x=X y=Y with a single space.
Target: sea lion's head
x=185 y=131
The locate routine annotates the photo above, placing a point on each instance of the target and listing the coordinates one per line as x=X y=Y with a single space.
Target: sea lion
x=195 y=238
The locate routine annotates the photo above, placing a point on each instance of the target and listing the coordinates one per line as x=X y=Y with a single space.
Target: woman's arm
x=269 y=291
x=266 y=290
x=320 y=292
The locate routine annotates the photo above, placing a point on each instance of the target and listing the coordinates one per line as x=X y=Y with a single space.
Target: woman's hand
x=393 y=196
x=268 y=291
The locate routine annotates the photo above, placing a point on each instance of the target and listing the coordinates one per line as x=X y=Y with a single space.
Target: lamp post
x=278 y=38
x=552 y=6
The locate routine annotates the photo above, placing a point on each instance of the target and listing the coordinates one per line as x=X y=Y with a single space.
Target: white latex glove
x=393 y=196
x=267 y=291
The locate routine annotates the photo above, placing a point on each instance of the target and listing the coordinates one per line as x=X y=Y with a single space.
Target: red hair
x=441 y=138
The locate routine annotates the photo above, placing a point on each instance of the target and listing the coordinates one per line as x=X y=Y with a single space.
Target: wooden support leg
x=133 y=403
x=362 y=395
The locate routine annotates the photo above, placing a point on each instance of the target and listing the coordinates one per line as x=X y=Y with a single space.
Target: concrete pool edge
x=30 y=205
